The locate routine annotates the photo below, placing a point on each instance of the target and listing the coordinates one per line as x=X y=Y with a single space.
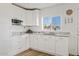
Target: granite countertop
x=58 y=34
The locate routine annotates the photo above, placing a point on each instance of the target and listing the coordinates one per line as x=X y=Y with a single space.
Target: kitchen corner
x=39 y=27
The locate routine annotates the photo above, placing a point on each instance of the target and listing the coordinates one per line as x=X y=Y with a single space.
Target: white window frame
x=49 y=30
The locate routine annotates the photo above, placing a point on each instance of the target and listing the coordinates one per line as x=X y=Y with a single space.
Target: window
x=46 y=23
x=51 y=23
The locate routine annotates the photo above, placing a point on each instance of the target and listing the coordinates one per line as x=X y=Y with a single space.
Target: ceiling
x=36 y=5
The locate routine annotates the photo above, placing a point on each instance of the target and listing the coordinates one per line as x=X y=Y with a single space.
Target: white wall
x=7 y=12
x=60 y=10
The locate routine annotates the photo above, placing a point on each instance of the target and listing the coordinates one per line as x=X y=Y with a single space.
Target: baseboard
x=38 y=50
x=50 y=54
x=22 y=51
x=72 y=55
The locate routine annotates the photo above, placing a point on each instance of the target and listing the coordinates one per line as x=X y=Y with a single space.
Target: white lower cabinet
x=34 y=41
x=50 y=44
x=43 y=43
x=62 y=46
x=27 y=43
x=73 y=45
x=47 y=44
x=14 y=45
x=19 y=44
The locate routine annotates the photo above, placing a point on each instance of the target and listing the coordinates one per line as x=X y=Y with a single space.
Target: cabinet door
x=32 y=17
x=42 y=43
x=29 y=18
x=35 y=17
x=23 y=43
x=51 y=44
x=19 y=44
x=14 y=45
x=34 y=41
x=31 y=41
x=27 y=42
x=46 y=44
x=73 y=45
x=62 y=46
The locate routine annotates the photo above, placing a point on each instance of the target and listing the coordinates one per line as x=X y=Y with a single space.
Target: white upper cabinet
x=29 y=18
x=18 y=13
x=32 y=18
x=35 y=16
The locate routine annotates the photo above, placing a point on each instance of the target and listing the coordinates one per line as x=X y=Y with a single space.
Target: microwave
x=16 y=21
